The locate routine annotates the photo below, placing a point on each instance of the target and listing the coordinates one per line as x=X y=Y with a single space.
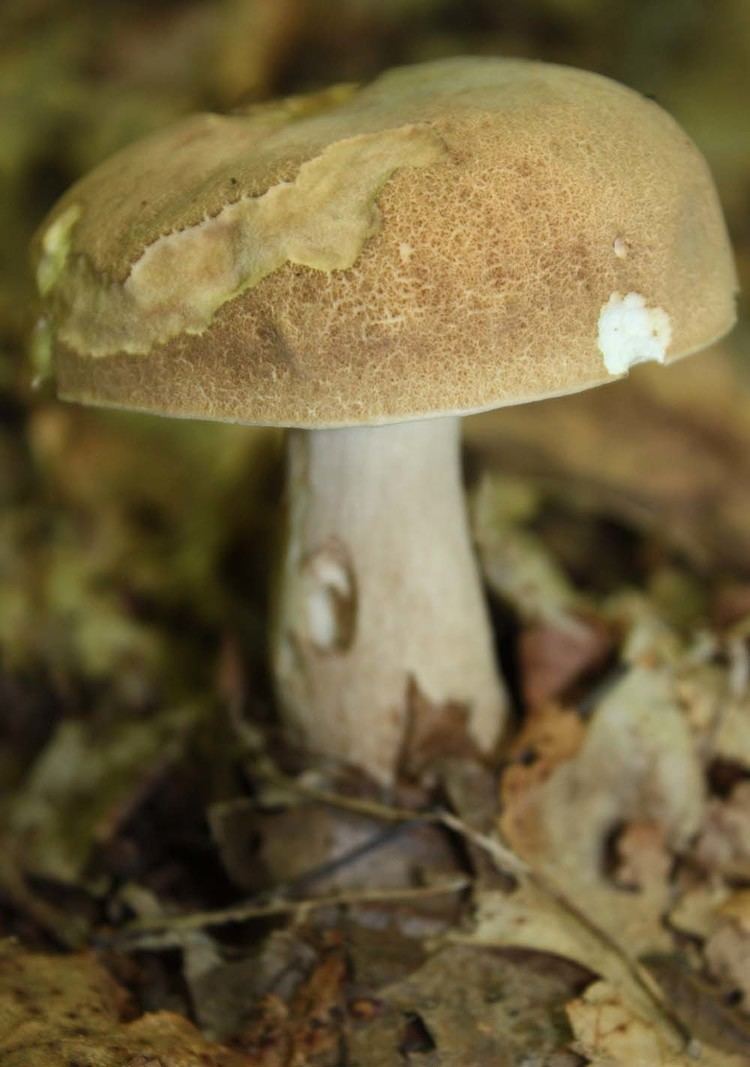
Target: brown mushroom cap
x=455 y=236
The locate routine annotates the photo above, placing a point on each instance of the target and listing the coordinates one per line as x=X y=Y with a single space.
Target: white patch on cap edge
x=630 y=332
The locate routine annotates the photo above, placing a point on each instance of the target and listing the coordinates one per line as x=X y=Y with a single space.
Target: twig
x=370 y=808
x=170 y=927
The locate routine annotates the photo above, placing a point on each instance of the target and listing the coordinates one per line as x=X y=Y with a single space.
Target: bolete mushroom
x=365 y=266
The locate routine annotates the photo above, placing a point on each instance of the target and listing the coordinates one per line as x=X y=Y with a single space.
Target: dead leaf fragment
x=551 y=735
x=553 y=657
x=284 y=1035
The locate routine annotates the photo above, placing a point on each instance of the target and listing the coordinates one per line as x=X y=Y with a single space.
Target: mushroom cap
x=455 y=236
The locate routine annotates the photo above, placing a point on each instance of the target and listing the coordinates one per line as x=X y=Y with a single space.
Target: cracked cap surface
x=455 y=236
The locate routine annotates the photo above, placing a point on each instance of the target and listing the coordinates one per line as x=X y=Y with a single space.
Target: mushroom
x=366 y=266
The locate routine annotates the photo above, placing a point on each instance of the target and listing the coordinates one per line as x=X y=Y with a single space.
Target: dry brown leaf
x=611 y=1032
x=636 y=763
x=466 y=1007
x=326 y=849
x=284 y=1035
x=531 y=918
x=226 y=987
x=61 y=1010
x=552 y=658
x=701 y=1005
x=550 y=735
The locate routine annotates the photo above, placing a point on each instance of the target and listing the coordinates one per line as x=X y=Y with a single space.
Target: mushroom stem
x=382 y=649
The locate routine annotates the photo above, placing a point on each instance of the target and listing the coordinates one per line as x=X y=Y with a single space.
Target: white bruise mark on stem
x=630 y=332
x=330 y=601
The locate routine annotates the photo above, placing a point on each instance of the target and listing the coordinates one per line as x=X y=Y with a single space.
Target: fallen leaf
x=552 y=657
x=611 y=1033
x=466 y=1007
x=226 y=987
x=325 y=849
x=636 y=763
x=532 y=918
x=701 y=1005
x=550 y=735
x=288 y=1035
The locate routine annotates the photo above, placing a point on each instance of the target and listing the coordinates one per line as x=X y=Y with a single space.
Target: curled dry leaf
x=636 y=763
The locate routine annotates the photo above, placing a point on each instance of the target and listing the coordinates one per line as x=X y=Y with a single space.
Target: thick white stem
x=382 y=641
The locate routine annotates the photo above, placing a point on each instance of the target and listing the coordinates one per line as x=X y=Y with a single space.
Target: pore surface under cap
x=455 y=236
